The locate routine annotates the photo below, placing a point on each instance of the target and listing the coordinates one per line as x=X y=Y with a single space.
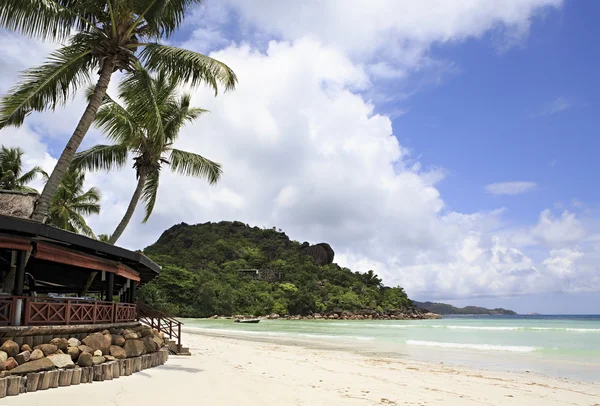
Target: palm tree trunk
x=121 y=227
x=130 y=209
x=41 y=209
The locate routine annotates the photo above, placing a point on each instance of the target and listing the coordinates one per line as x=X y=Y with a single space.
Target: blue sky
x=449 y=146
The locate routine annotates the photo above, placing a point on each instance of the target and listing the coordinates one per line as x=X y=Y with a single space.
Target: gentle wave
x=482 y=328
x=485 y=347
x=275 y=333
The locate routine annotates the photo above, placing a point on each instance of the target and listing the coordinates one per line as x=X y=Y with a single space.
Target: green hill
x=443 y=308
x=230 y=268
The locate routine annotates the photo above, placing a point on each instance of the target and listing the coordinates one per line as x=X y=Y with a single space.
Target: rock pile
x=95 y=349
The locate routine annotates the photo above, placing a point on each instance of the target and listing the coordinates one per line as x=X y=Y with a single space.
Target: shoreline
x=223 y=371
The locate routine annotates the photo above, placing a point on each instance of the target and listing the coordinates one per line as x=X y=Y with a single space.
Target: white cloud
x=510 y=188
x=303 y=149
x=555 y=106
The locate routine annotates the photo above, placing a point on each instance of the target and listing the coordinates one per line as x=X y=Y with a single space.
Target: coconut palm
x=71 y=203
x=109 y=35
x=146 y=126
x=11 y=168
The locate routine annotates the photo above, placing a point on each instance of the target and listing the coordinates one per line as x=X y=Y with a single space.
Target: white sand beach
x=226 y=371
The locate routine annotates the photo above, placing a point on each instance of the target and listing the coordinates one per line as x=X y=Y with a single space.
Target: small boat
x=246 y=320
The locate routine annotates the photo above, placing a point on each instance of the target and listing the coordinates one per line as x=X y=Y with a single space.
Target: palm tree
x=70 y=203
x=109 y=35
x=11 y=166
x=146 y=126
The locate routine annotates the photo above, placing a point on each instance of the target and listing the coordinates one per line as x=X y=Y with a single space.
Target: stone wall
x=104 y=355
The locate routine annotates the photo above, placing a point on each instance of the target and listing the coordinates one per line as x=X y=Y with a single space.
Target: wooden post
x=43 y=381
x=107 y=371
x=128 y=366
x=110 y=285
x=3 y=383
x=66 y=375
x=68 y=313
x=23 y=385
x=54 y=375
x=98 y=374
x=33 y=380
x=76 y=378
x=12 y=387
x=121 y=363
x=116 y=370
x=137 y=364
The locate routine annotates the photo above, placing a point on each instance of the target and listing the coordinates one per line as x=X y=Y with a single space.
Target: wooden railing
x=161 y=322
x=60 y=311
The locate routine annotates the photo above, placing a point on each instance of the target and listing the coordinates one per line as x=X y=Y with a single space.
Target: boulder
x=117 y=352
x=61 y=360
x=98 y=359
x=47 y=349
x=146 y=332
x=3 y=356
x=133 y=348
x=61 y=343
x=26 y=347
x=85 y=348
x=85 y=359
x=36 y=354
x=23 y=357
x=10 y=348
x=73 y=352
x=149 y=345
x=117 y=340
x=73 y=342
x=98 y=341
x=131 y=335
x=159 y=342
x=109 y=358
x=2 y=368
x=11 y=364
x=104 y=332
x=42 y=364
x=98 y=353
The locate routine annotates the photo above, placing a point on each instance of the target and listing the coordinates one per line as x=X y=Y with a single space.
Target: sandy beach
x=226 y=371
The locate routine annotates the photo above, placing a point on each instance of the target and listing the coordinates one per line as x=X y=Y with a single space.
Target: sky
x=448 y=146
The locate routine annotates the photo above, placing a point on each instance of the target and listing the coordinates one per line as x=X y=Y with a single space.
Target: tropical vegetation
x=201 y=276
x=146 y=125
x=11 y=171
x=71 y=203
x=100 y=37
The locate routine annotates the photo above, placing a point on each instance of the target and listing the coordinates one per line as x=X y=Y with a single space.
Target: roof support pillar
x=110 y=285
x=20 y=275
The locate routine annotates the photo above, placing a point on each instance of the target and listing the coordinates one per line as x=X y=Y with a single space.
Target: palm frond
x=48 y=19
x=80 y=225
x=117 y=123
x=143 y=99
x=188 y=66
x=162 y=16
x=46 y=86
x=101 y=157
x=190 y=164
x=30 y=175
x=149 y=194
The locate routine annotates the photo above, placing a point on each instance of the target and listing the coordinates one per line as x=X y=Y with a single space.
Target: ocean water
x=560 y=346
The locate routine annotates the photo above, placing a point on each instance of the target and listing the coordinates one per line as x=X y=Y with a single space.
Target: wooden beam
x=14 y=243
x=53 y=253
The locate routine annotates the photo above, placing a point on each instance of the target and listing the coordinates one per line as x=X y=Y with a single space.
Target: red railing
x=161 y=322
x=52 y=311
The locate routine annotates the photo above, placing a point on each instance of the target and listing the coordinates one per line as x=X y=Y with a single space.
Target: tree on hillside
x=109 y=35
x=71 y=203
x=11 y=168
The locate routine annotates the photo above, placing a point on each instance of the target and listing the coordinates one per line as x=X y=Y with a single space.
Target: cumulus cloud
x=510 y=188
x=305 y=150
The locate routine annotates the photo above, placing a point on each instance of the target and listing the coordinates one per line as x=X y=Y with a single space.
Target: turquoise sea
x=560 y=346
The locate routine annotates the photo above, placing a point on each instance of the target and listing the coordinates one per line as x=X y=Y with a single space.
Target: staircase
x=169 y=326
